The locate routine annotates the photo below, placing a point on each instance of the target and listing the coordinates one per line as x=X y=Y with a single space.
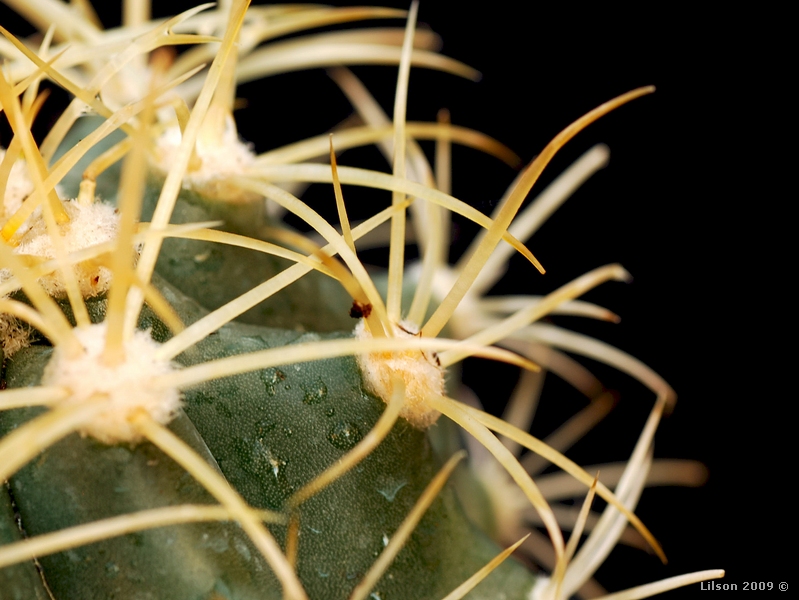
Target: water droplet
x=389 y=491
x=374 y=596
x=249 y=342
x=242 y=549
x=211 y=261
x=385 y=540
x=218 y=544
x=111 y=569
x=307 y=337
x=330 y=411
x=268 y=466
x=185 y=485
x=274 y=463
x=263 y=462
x=264 y=426
x=315 y=392
x=322 y=574
x=199 y=397
x=344 y=436
x=223 y=409
x=271 y=377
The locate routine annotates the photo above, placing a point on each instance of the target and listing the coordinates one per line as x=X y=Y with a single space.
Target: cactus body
x=270 y=432
x=231 y=472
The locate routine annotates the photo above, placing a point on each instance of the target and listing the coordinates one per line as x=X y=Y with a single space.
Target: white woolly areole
x=419 y=370
x=540 y=588
x=126 y=387
x=220 y=160
x=18 y=188
x=89 y=225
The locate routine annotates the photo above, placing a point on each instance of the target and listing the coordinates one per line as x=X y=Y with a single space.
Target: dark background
x=687 y=205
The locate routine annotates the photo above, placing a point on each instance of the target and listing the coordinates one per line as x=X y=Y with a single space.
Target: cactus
x=188 y=412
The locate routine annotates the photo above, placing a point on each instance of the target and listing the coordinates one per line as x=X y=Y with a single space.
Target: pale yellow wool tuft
x=89 y=225
x=419 y=370
x=126 y=387
x=219 y=160
x=14 y=335
x=18 y=188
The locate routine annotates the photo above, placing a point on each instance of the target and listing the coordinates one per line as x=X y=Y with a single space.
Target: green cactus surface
x=269 y=432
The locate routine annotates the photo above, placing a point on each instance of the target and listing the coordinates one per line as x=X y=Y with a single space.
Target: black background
x=687 y=205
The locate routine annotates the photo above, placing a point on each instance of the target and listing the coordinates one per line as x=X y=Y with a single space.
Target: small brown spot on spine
x=359 y=310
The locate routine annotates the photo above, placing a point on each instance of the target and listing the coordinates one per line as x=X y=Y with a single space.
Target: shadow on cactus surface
x=209 y=394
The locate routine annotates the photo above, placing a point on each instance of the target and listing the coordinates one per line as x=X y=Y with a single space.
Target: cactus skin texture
x=270 y=432
x=269 y=429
